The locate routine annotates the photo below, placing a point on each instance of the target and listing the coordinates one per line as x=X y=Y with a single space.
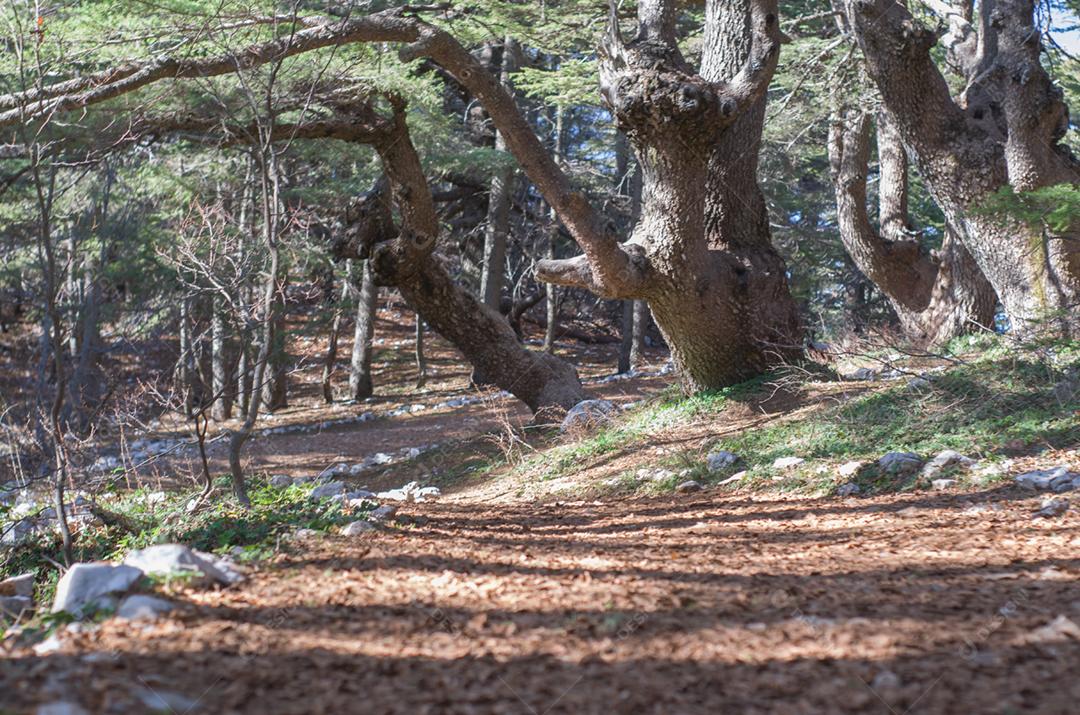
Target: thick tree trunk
x=1004 y=130
x=276 y=392
x=185 y=367
x=360 y=384
x=702 y=252
x=935 y=295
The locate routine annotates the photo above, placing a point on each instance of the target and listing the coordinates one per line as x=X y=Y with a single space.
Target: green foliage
x=1056 y=207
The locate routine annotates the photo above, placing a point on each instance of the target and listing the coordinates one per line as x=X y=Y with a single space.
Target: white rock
x=427 y=494
x=736 y=477
x=944 y=460
x=847 y=490
x=719 y=461
x=139 y=607
x=849 y=469
x=356 y=528
x=177 y=560
x=900 y=463
x=943 y=484
x=163 y=701
x=1059 y=630
x=93 y=585
x=787 y=462
x=587 y=414
x=688 y=487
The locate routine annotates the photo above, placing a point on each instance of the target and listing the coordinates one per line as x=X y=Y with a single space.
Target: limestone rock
x=21 y=585
x=87 y=586
x=177 y=560
x=900 y=463
x=722 y=460
x=787 y=462
x=356 y=528
x=848 y=490
x=587 y=415
x=139 y=607
x=327 y=490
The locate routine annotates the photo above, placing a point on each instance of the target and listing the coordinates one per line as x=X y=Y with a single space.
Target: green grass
x=221 y=526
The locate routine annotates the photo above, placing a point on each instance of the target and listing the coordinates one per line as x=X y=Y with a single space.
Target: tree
x=701 y=253
x=936 y=295
x=1003 y=132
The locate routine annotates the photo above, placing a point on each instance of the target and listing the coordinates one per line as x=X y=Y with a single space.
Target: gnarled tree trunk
x=936 y=295
x=1003 y=130
x=701 y=253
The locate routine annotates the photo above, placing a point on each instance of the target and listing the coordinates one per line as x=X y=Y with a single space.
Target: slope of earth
x=699 y=604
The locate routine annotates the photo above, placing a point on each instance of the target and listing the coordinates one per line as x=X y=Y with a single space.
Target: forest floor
x=553 y=578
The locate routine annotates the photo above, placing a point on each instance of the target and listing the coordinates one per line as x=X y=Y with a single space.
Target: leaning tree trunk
x=1003 y=131
x=935 y=295
x=700 y=255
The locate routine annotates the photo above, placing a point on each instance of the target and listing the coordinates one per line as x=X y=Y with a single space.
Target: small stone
x=21 y=585
x=738 y=476
x=586 y=415
x=384 y=513
x=356 y=528
x=87 y=586
x=427 y=494
x=918 y=383
x=178 y=560
x=721 y=461
x=1057 y=479
x=849 y=469
x=944 y=460
x=281 y=481
x=1052 y=507
x=848 y=490
x=325 y=491
x=787 y=462
x=900 y=463
x=943 y=484
x=688 y=487
x=305 y=534
x=139 y=607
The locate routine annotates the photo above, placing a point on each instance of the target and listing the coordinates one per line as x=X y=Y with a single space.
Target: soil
x=698 y=604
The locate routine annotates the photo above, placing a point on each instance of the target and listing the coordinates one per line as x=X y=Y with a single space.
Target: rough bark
x=498 y=215
x=421 y=359
x=1003 y=130
x=702 y=256
x=936 y=295
x=222 y=395
x=360 y=383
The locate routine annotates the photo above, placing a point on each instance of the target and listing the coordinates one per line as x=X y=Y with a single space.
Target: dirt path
x=696 y=604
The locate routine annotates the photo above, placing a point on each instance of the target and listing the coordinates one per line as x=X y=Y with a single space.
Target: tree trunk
x=421 y=360
x=222 y=402
x=276 y=391
x=360 y=384
x=1003 y=131
x=551 y=234
x=935 y=295
x=332 y=349
x=185 y=364
x=701 y=253
x=482 y=334
x=498 y=215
